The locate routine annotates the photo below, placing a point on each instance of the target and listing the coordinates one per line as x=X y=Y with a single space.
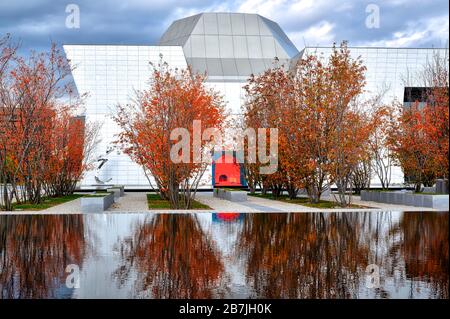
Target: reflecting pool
x=225 y=255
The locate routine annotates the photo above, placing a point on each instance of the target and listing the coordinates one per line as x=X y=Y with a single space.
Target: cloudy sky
x=402 y=23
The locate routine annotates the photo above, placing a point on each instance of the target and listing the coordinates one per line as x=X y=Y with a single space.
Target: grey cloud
x=38 y=22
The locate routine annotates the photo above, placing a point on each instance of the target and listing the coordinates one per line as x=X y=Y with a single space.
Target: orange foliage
x=322 y=135
x=175 y=100
x=42 y=144
x=34 y=252
x=174 y=258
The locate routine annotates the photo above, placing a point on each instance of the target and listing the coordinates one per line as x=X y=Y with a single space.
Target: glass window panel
x=243 y=67
x=224 y=23
x=226 y=46
x=210 y=22
x=198 y=65
x=268 y=47
x=199 y=27
x=237 y=24
x=229 y=67
x=251 y=24
x=188 y=47
x=254 y=47
x=263 y=29
x=198 y=46
x=214 y=67
x=281 y=53
x=240 y=47
x=257 y=65
x=212 y=46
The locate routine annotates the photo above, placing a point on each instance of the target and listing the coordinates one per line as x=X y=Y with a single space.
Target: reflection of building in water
x=224 y=230
x=103 y=232
x=264 y=255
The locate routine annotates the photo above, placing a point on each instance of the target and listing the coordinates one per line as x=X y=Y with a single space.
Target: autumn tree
x=436 y=78
x=350 y=128
x=331 y=129
x=384 y=120
x=71 y=142
x=43 y=146
x=322 y=129
x=421 y=143
x=336 y=128
x=174 y=258
x=174 y=101
x=413 y=149
x=7 y=55
x=269 y=104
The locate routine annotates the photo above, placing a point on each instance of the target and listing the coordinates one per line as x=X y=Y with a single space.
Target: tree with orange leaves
x=270 y=105
x=43 y=148
x=174 y=258
x=422 y=141
x=335 y=129
x=174 y=101
x=322 y=132
x=436 y=112
x=413 y=149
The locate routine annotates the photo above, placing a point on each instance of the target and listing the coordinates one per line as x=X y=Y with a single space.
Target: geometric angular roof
x=230 y=45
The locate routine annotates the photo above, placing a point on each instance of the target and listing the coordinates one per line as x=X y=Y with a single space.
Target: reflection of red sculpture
x=228 y=216
x=227 y=172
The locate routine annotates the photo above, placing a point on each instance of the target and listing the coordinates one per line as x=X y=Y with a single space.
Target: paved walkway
x=257 y=204
x=130 y=202
x=253 y=204
x=136 y=202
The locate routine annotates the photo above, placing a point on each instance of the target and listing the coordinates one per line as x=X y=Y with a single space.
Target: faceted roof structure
x=230 y=45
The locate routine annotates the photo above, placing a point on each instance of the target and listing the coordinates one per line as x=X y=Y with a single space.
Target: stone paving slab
x=130 y=202
x=257 y=204
x=253 y=204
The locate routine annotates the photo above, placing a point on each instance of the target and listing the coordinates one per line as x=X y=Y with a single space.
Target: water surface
x=228 y=255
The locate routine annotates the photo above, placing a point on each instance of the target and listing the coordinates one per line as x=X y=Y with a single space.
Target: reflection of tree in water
x=34 y=251
x=425 y=249
x=325 y=255
x=173 y=257
x=303 y=255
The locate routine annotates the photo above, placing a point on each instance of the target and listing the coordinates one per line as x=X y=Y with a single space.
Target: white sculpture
x=102 y=161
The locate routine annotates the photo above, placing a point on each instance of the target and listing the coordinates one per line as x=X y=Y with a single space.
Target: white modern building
x=228 y=48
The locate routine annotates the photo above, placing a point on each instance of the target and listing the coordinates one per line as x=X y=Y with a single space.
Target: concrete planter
x=383 y=197
x=97 y=204
x=409 y=199
x=418 y=200
x=234 y=196
x=399 y=198
x=117 y=190
x=440 y=202
x=370 y=196
x=427 y=200
x=365 y=195
x=405 y=198
x=375 y=196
